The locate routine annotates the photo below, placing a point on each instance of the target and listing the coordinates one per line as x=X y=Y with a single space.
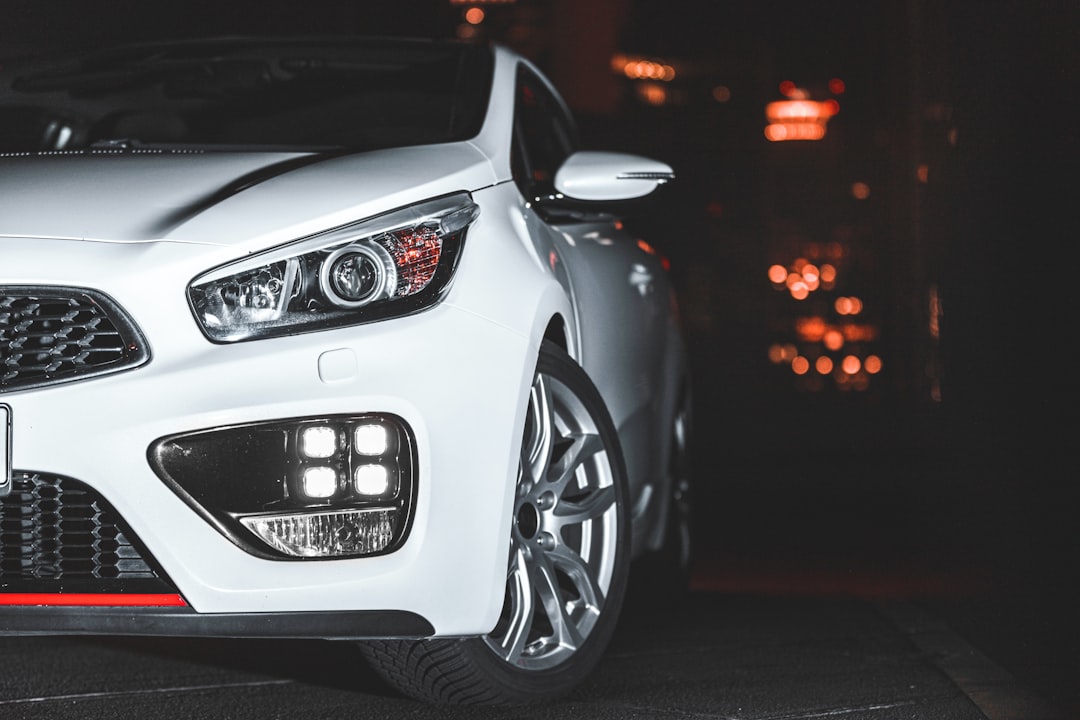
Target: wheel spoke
x=581 y=574
x=540 y=428
x=522 y=608
x=588 y=507
x=566 y=633
x=582 y=447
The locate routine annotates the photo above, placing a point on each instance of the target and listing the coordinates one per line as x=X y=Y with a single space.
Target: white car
x=331 y=338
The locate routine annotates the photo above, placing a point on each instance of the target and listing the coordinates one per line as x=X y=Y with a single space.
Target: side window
x=544 y=136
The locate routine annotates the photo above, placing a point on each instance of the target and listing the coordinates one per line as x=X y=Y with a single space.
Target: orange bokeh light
x=652 y=94
x=638 y=68
x=778 y=274
x=800 y=291
x=798 y=119
x=828 y=273
x=833 y=339
x=779 y=132
x=837 y=86
x=800 y=365
x=824 y=365
x=474 y=16
x=854 y=332
x=850 y=364
x=872 y=364
x=848 y=305
x=810 y=329
x=860 y=190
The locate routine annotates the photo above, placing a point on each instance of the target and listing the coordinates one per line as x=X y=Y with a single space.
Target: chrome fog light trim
x=327 y=534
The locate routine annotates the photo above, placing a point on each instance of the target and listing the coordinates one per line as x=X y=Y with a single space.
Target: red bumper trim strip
x=93 y=599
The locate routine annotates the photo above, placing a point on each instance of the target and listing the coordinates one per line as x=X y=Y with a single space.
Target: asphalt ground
x=870 y=585
x=974 y=538
x=716 y=655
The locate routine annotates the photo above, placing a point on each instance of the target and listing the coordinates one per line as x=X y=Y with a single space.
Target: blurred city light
x=640 y=68
x=721 y=93
x=798 y=119
x=860 y=191
x=652 y=93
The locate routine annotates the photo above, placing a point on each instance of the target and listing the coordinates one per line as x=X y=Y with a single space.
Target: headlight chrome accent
x=388 y=266
x=321 y=487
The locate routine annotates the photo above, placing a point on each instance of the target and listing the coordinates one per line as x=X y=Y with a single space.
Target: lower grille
x=59 y=535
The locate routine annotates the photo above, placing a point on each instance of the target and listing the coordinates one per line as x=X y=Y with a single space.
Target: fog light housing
x=321 y=487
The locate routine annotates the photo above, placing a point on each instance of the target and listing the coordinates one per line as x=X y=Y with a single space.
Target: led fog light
x=321 y=487
x=319 y=482
x=350 y=532
x=318 y=442
x=370 y=439
x=372 y=480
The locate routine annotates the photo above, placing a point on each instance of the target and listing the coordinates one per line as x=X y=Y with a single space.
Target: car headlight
x=388 y=266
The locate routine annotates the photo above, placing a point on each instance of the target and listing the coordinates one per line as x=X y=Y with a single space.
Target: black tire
x=563 y=595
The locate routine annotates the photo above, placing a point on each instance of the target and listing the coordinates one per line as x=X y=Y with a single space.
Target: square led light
x=371 y=480
x=370 y=440
x=319 y=482
x=318 y=442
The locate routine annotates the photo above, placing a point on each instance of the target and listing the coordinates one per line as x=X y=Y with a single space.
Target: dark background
x=950 y=476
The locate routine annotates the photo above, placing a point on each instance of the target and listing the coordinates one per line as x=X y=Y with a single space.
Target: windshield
x=333 y=94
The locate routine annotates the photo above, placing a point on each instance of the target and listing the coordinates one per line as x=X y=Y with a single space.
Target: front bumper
x=447 y=578
x=182 y=622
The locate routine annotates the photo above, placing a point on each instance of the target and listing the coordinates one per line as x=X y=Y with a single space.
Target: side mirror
x=610 y=176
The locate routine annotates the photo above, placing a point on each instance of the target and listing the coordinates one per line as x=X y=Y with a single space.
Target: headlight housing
x=392 y=265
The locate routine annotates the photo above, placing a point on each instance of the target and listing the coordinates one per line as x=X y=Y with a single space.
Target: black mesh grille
x=58 y=534
x=50 y=334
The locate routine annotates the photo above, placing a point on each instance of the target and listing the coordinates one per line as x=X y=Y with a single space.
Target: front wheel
x=568 y=561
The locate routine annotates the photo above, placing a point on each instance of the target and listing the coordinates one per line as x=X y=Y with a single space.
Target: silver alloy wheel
x=564 y=539
x=568 y=563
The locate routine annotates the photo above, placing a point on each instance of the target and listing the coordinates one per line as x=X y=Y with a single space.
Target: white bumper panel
x=450 y=570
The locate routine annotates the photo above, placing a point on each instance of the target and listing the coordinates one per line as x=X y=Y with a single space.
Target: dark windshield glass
x=323 y=93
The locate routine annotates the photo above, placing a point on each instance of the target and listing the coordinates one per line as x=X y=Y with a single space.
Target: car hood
x=250 y=200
